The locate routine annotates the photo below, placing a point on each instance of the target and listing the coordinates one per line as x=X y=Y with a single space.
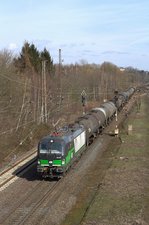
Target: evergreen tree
x=45 y=55
x=30 y=59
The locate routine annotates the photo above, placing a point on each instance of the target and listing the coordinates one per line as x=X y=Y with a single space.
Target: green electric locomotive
x=57 y=152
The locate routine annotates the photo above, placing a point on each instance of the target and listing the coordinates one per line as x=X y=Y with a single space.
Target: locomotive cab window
x=43 y=147
x=51 y=147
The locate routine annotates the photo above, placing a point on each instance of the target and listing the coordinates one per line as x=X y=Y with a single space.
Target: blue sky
x=92 y=30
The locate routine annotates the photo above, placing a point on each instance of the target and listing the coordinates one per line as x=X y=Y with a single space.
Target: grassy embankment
x=120 y=184
x=124 y=197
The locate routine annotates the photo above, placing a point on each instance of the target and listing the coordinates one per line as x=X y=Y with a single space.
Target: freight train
x=58 y=151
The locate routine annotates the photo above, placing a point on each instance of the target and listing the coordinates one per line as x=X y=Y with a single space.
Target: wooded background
x=38 y=96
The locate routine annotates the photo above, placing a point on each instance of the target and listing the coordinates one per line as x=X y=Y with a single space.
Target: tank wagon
x=118 y=101
x=110 y=110
x=58 y=151
x=122 y=98
x=91 y=126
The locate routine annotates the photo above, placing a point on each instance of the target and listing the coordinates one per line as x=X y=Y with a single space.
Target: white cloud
x=12 y=46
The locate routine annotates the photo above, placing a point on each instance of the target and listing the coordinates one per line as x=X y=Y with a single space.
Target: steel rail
x=16 y=168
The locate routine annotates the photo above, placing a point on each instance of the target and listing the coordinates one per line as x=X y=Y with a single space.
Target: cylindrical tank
x=102 y=111
x=100 y=116
x=130 y=91
x=110 y=108
x=124 y=95
x=90 y=124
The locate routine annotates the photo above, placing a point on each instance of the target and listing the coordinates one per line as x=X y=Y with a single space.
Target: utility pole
x=42 y=95
x=45 y=93
x=60 y=78
x=60 y=61
x=44 y=116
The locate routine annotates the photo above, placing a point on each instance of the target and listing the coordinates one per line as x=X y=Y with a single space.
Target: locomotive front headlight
x=63 y=162
x=50 y=162
x=38 y=161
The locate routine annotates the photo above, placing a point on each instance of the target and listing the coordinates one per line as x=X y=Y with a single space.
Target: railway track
x=11 y=174
x=27 y=206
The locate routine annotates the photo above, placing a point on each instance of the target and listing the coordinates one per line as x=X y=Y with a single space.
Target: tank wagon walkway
x=123 y=197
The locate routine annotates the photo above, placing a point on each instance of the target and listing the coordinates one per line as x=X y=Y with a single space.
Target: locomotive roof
x=66 y=133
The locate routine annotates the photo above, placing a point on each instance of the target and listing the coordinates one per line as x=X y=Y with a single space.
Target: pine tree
x=45 y=55
x=30 y=59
